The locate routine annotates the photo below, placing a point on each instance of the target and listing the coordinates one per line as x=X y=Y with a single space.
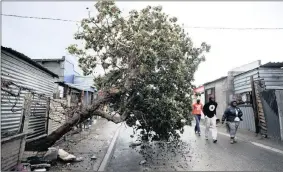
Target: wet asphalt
x=195 y=154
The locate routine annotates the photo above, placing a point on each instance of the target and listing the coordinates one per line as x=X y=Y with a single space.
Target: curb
x=110 y=150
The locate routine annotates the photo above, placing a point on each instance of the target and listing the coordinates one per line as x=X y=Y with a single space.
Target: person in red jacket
x=197 y=109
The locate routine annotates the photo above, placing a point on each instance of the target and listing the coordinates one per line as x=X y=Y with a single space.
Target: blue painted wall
x=69 y=72
x=71 y=69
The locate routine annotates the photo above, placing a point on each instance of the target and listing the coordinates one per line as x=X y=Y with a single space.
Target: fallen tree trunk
x=79 y=115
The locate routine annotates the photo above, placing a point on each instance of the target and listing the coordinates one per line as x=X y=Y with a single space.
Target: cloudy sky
x=230 y=48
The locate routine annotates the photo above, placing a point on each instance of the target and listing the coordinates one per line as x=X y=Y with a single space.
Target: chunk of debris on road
x=93 y=157
x=146 y=169
x=23 y=167
x=71 y=141
x=40 y=169
x=142 y=162
x=79 y=159
x=40 y=166
x=35 y=160
x=51 y=154
x=135 y=144
x=65 y=156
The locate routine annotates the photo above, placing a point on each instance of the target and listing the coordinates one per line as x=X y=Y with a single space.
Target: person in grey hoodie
x=233 y=116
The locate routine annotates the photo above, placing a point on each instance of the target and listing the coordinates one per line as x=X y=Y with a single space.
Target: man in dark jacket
x=209 y=111
x=233 y=116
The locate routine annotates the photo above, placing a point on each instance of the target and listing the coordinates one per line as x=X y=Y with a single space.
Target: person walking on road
x=209 y=111
x=197 y=109
x=233 y=116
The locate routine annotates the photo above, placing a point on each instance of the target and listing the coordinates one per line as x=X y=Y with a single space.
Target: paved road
x=85 y=144
x=199 y=154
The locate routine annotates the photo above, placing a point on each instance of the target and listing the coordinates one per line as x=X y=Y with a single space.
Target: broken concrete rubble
x=93 y=157
x=142 y=162
x=35 y=163
x=51 y=154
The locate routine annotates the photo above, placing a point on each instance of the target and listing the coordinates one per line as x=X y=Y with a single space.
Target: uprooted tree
x=149 y=62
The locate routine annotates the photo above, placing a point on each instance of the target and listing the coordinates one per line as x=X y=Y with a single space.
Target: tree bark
x=80 y=115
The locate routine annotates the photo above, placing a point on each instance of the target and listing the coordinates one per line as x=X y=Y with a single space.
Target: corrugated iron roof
x=50 y=60
x=273 y=65
x=27 y=59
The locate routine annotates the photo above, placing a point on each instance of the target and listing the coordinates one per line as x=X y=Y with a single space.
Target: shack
x=23 y=72
x=260 y=88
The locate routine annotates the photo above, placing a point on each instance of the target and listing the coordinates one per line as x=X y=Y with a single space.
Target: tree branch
x=114 y=118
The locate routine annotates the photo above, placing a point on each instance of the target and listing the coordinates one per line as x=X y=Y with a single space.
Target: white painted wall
x=220 y=95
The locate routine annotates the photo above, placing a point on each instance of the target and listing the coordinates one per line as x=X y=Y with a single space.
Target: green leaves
x=149 y=58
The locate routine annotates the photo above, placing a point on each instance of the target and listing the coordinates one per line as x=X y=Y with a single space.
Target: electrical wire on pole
x=187 y=27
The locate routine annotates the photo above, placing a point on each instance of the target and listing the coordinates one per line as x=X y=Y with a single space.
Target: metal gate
x=38 y=120
x=248 y=122
x=270 y=108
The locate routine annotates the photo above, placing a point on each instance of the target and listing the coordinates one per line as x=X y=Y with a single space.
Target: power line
x=40 y=18
x=234 y=28
x=189 y=27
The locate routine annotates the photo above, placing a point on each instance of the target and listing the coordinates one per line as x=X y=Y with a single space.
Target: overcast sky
x=229 y=48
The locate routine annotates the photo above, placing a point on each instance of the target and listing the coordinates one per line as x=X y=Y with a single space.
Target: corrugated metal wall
x=273 y=78
x=11 y=113
x=242 y=82
x=270 y=108
x=10 y=151
x=38 y=119
x=23 y=74
x=279 y=99
x=248 y=118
